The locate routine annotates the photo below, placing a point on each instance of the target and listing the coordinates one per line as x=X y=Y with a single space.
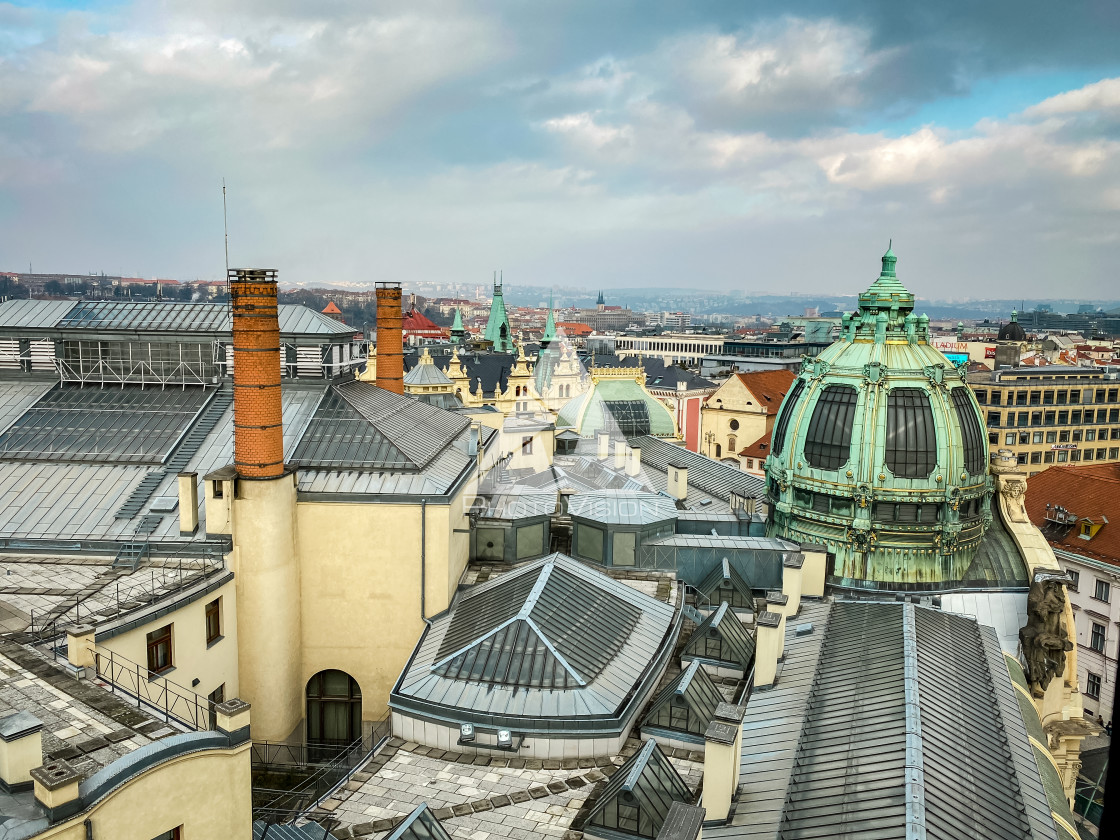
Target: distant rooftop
x=59 y=317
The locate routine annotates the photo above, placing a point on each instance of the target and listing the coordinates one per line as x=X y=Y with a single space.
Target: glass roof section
x=421 y=824
x=129 y=425
x=724 y=583
x=687 y=704
x=721 y=638
x=637 y=798
x=547 y=628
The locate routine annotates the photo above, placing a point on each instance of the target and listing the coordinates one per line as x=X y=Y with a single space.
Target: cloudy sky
x=757 y=146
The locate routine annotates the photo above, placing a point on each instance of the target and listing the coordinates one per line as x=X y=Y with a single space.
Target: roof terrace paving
x=501 y=797
x=82 y=723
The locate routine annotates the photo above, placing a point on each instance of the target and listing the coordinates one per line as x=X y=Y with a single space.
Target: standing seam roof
x=910 y=731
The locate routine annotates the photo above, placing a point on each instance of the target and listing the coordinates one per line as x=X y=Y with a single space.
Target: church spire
x=498 y=330
x=457 y=331
x=549 y=326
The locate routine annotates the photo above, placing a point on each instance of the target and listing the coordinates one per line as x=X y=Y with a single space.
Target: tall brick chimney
x=390 y=341
x=258 y=431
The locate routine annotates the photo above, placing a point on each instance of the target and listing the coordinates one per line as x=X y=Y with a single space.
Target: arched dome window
x=972 y=436
x=787 y=410
x=828 y=443
x=911 y=437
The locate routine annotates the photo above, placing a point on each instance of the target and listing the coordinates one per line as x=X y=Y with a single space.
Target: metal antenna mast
x=225 y=230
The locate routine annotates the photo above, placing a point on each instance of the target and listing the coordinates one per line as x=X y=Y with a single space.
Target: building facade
x=1051 y=415
x=1077 y=508
x=741 y=410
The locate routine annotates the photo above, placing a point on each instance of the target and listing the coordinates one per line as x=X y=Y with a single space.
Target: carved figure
x=1044 y=640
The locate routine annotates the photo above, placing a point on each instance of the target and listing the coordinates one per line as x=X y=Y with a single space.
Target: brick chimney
x=257 y=419
x=390 y=341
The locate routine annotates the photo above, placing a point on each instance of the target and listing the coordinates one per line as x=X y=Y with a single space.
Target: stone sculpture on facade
x=1044 y=639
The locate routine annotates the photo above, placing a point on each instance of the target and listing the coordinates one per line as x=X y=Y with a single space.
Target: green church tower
x=879 y=452
x=498 y=331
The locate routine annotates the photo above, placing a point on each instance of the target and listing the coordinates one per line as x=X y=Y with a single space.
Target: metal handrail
x=179 y=704
x=141 y=591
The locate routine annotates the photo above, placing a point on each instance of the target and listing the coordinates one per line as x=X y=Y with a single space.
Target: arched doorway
x=334 y=708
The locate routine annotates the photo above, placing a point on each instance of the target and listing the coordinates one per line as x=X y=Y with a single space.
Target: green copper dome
x=880 y=453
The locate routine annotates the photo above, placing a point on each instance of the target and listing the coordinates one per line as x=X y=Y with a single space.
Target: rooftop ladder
x=178 y=461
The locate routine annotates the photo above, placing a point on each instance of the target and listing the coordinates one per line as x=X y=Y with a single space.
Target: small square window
x=1048 y=457
x=1075 y=578
x=216 y=489
x=1009 y=439
x=1051 y=437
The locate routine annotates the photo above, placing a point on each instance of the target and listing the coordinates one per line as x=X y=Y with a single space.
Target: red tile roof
x=759 y=449
x=1090 y=492
x=768 y=386
x=417 y=322
x=331 y=309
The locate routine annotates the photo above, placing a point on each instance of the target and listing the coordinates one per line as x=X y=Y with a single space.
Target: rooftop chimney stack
x=390 y=341
x=258 y=431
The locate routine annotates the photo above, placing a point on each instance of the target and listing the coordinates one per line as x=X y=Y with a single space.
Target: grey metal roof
x=542 y=628
x=909 y=720
x=706 y=541
x=648 y=784
x=713 y=477
x=521 y=505
x=426 y=374
x=724 y=583
x=997 y=561
x=16 y=397
x=112 y=425
x=153 y=316
x=770 y=730
x=608 y=634
x=721 y=638
x=361 y=426
x=622 y=507
x=687 y=704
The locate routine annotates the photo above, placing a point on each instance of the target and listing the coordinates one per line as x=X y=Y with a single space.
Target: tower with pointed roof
x=498 y=330
x=458 y=333
x=549 y=335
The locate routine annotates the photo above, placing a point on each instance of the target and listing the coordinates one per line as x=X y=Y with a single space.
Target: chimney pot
x=21 y=749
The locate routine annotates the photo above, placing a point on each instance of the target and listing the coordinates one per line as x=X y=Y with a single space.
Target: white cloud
x=1099 y=96
x=784 y=66
x=244 y=84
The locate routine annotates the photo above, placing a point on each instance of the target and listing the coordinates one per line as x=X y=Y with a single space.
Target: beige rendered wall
x=267 y=578
x=736 y=399
x=213 y=665
x=208 y=793
x=361 y=586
